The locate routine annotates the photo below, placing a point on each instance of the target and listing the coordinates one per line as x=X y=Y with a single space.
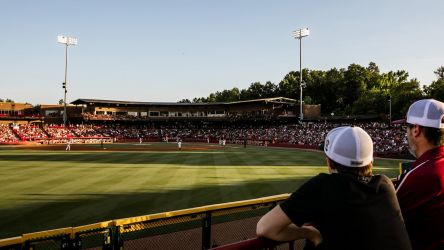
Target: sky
x=169 y=50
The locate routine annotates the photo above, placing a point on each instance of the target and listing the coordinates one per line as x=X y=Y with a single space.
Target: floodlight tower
x=299 y=34
x=67 y=41
x=390 y=110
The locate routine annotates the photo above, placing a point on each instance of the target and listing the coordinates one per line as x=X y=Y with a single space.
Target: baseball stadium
x=222 y=125
x=144 y=175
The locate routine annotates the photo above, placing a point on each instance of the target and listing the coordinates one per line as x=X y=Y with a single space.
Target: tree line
x=6 y=100
x=357 y=90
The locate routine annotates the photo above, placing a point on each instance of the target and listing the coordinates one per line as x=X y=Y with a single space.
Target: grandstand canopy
x=252 y=109
x=97 y=102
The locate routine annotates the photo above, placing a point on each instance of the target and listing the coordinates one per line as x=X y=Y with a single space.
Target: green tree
x=256 y=90
x=330 y=91
x=235 y=94
x=211 y=98
x=355 y=86
x=351 y=91
x=373 y=76
x=199 y=100
x=184 y=101
x=373 y=102
x=314 y=82
x=269 y=90
x=230 y=95
x=436 y=89
x=244 y=95
x=289 y=86
x=375 y=99
x=61 y=102
x=404 y=94
x=440 y=72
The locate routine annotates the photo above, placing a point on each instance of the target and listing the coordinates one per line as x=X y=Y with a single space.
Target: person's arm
x=277 y=226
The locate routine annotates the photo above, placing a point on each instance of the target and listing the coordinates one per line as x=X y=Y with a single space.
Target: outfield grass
x=52 y=189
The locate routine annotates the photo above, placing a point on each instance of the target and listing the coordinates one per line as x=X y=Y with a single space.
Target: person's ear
x=416 y=130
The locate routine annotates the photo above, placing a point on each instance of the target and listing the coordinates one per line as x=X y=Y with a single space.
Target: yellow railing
x=135 y=223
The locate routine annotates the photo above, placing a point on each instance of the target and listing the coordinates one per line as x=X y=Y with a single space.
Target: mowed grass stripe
x=58 y=187
x=267 y=169
x=192 y=181
x=118 y=202
x=173 y=175
x=114 y=184
x=99 y=206
x=277 y=174
x=225 y=174
x=208 y=187
x=46 y=180
x=68 y=171
x=44 y=203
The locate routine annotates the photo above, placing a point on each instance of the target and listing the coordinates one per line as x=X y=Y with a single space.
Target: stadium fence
x=220 y=226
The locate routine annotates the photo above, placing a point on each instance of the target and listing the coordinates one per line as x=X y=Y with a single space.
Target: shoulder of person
x=318 y=179
x=382 y=182
x=381 y=178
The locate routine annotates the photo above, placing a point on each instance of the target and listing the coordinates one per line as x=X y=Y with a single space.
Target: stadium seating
x=387 y=140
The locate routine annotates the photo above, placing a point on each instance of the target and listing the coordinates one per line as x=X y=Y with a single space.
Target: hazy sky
x=167 y=50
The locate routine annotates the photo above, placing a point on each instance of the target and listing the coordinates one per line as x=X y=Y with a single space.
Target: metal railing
x=195 y=228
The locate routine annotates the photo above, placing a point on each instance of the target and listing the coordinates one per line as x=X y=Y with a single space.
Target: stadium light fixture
x=67 y=41
x=299 y=34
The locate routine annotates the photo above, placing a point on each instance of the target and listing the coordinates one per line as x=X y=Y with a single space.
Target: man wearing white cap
x=350 y=208
x=421 y=191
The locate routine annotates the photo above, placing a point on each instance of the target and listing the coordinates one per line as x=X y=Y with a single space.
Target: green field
x=43 y=190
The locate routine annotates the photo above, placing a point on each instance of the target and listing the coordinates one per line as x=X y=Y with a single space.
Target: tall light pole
x=390 y=110
x=67 y=41
x=299 y=34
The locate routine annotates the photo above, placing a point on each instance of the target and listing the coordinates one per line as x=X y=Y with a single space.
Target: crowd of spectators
x=386 y=138
x=29 y=132
x=7 y=135
x=120 y=131
x=82 y=130
x=57 y=131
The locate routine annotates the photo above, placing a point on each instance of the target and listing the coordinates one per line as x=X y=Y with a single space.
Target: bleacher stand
x=387 y=140
x=7 y=135
x=56 y=131
x=28 y=132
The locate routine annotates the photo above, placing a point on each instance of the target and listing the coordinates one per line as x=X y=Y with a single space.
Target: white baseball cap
x=427 y=113
x=349 y=146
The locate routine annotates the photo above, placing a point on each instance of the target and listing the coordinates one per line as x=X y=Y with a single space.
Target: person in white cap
x=349 y=208
x=421 y=191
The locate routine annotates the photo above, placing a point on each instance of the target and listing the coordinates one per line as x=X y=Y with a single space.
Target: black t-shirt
x=349 y=213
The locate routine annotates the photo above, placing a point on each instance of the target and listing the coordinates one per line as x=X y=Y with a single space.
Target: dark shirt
x=349 y=213
x=421 y=198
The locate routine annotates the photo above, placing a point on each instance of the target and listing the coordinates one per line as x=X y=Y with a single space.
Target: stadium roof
x=272 y=100
x=279 y=100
